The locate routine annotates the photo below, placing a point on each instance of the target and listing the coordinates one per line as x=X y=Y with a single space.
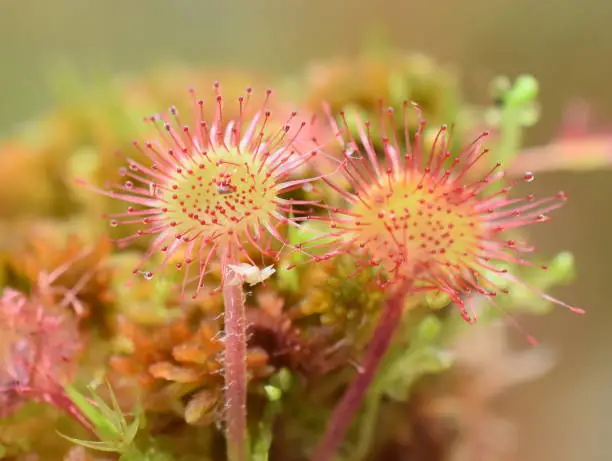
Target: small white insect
x=250 y=274
x=353 y=153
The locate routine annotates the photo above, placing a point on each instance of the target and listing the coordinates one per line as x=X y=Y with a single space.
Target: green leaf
x=131 y=431
x=427 y=331
x=529 y=115
x=110 y=424
x=289 y=279
x=280 y=383
x=93 y=445
x=282 y=379
x=261 y=447
x=91 y=411
x=273 y=393
x=405 y=365
x=437 y=299
x=516 y=108
x=525 y=89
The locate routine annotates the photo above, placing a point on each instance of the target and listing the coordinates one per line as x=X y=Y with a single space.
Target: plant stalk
x=235 y=370
x=351 y=401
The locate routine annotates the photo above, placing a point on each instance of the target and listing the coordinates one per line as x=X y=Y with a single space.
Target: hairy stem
x=350 y=403
x=235 y=370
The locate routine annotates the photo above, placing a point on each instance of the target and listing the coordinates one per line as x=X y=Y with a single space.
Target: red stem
x=346 y=409
x=58 y=399
x=235 y=370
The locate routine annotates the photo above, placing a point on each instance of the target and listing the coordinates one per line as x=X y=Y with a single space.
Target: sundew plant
x=268 y=275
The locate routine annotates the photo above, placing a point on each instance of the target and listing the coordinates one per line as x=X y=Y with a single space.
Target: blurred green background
x=567 y=44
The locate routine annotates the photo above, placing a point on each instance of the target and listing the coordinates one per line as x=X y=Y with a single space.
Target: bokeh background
x=566 y=44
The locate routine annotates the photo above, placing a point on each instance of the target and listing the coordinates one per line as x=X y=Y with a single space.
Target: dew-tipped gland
x=420 y=218
x=212 y=186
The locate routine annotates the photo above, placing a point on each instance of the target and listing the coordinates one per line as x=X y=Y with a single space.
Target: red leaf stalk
x=350 y=403
x=235 y=366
